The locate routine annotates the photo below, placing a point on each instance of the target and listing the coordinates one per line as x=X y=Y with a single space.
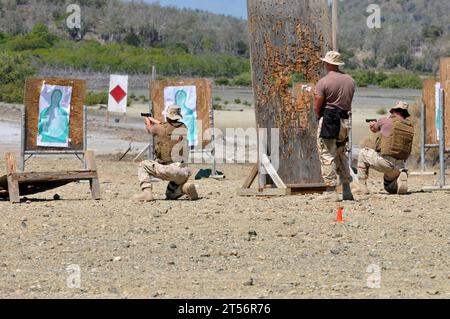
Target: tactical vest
x=399 y=144
x=165 y=144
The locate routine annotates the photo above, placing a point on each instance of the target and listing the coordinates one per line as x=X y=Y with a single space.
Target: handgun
x=371 y=120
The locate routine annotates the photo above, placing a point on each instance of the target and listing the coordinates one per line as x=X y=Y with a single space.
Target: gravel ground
x=222 y=246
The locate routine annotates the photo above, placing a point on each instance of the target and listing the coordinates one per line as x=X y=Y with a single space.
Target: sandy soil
x=222 y=245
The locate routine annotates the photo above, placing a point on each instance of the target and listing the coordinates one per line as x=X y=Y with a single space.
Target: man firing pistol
x=393 y=145
x=171 y=153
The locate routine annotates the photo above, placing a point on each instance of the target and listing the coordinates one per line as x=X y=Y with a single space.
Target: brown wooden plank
x=445 y=80
x=94 y=182
x=76 y=123
x=272 y=172
x=54 y=176
x=446 y=87
x=251 y=177
x=13 y=185
x=288 y=38
x=429 y=101
x=445 y=69
x=204 y=101
x=266 y=192
x=313 y=185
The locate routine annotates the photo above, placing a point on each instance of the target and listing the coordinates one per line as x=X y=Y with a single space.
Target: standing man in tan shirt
x=332 y=105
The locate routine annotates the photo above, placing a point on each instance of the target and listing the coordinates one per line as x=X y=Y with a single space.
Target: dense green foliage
x=14 y=69
x=96 y=98
x=414 y=34
x=22 y=54
x=51 y=52
x=365 y=78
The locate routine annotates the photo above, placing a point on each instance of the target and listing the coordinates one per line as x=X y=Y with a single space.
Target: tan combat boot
x=145 y=196
x=362 y=187
x=190 y=191
x=330 y=195
x=402 y=182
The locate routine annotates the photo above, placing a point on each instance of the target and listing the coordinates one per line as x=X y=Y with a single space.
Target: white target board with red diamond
x=118 y=94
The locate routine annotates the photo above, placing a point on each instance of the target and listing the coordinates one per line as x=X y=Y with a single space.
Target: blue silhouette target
x=186 y=98
x=54 y=116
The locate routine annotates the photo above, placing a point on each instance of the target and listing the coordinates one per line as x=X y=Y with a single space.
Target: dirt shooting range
x=283 y=46
x=98 y=199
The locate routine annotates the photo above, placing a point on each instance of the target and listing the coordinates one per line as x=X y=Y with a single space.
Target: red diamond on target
x=118 y=93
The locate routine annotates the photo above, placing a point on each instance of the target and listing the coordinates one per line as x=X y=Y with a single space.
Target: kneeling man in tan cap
x=393 y=145
x=171 y=154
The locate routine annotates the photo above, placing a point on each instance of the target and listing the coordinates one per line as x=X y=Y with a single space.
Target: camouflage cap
x=173 y=113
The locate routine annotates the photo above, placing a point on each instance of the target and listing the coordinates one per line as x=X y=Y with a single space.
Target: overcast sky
x=237 y=8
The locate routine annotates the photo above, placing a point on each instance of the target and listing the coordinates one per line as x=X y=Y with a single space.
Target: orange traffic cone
x=340 y=217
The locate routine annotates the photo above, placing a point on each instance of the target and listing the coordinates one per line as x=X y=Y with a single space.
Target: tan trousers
x=333 y=158
x=369 y=158
x=176 y=173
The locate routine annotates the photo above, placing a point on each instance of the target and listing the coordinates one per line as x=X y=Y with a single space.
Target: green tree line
x=23 y=55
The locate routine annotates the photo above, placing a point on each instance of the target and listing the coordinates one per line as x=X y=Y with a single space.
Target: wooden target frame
x=429 y=101
x=30 y=119
x=445 y=85
x=204 y=104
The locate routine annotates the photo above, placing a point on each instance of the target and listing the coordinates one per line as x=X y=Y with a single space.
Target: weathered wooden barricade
x=287 y=39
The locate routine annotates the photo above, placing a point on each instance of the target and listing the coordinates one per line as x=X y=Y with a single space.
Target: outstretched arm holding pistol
x=373 y=125
x=150 y=121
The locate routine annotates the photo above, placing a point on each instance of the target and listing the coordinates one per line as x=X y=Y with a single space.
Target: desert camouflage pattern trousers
x=177 y=174
x=333 y=156
x=389 y=166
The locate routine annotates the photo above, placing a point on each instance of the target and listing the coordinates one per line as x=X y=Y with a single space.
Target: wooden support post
x=251 y=178
x=13 y=184
x=94 y=182
x=265 y=161
x=335 y=24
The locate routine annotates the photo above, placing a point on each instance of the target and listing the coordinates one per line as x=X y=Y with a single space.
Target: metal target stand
x=442 y=149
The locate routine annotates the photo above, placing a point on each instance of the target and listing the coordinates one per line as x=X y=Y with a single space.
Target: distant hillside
x=136 y=23
x=414 y=33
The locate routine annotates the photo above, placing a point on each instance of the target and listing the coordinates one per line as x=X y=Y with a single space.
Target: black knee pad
x=391 y=186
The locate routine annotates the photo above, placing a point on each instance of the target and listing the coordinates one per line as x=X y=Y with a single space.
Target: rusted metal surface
x=287 y=38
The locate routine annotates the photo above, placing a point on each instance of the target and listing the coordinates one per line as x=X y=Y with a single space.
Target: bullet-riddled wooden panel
x=445 y=84
x=287 y=40
x=204 y=101
x=446 y=87
x=429 y=100
x=33 y=88
x=445 y=69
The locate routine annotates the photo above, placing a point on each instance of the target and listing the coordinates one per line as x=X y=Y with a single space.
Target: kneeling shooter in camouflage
x=393 y=144
x=171 y=153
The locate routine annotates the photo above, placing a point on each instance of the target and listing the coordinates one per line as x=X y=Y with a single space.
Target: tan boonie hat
x=174 y=113
x=401 y=106
x=333 y=58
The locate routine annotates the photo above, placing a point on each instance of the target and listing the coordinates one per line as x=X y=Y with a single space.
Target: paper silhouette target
x=195 y=104
x=54 y=116
x=186 y=98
